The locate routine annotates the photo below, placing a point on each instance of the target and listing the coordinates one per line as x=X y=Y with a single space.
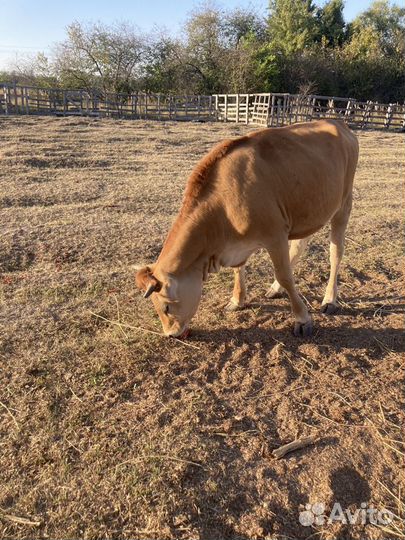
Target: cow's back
x=294 y=177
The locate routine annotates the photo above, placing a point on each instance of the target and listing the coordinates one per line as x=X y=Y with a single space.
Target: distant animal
x=261 y=190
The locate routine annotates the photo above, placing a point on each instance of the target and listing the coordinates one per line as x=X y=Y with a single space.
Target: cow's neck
x=194 y=239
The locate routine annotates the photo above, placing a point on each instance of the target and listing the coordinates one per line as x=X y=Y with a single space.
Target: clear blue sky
x=28 y=26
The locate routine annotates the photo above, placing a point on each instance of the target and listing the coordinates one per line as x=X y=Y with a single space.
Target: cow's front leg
x=239 y=290
x=278 y=251
x=297 y=248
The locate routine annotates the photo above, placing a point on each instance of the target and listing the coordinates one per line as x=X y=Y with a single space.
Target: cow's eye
x=167 y=309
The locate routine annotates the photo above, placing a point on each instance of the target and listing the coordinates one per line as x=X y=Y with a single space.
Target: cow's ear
x=146 y=281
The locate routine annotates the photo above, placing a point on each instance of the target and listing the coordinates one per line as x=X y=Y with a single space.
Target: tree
x=100 y=56
x=292 y=25
x=242 y=23
x=331 y=23
x=204 y=49
x=386 y=21
x=244 y=34
x=163 y=70
x=372 y=61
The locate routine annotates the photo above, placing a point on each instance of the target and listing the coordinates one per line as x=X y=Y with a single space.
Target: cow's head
x=175 y=298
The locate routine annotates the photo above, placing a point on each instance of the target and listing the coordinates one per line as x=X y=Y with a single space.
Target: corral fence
x=262 y=109
x=16 y=99
x=275 y=109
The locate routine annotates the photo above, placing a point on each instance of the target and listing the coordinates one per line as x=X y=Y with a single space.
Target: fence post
x=403 y=120
x=348 y=107
x=277 y=111
x=215 y=112
x=388 y=116
x=226 y=107
x=366 y=115
x=198 y=107
x=27 y=101
x=22 y=89
x=4 y=99
x=5 y=92
x=15 y=98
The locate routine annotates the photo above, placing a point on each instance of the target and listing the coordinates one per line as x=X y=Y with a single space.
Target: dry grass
x=110 y=432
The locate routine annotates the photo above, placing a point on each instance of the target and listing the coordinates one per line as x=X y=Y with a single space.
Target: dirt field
x=110 y=432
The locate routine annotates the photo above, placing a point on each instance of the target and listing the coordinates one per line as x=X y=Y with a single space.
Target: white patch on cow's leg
x=297 y=248
x=279 y=255
x=239 y=290
x=337 y=238
x=275 y=291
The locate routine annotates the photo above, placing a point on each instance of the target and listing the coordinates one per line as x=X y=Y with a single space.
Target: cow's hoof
x=232 y=306
x=303 y=329
x=329 y=309
x=272 y=294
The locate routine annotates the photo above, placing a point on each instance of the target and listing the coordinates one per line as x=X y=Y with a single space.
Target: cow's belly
x=312 y=222
x=238 y=253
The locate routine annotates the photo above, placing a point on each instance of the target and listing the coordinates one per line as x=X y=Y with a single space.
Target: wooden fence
x=53 y=101
x=283 y=109
x=271 y=109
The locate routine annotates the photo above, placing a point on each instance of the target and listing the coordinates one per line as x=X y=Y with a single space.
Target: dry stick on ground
x=20 y=520
x=295 y=445
x=125 y=325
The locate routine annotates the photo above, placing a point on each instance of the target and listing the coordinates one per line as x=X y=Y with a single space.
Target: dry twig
x=141 y=329
x=295 y=445
x=20 y=520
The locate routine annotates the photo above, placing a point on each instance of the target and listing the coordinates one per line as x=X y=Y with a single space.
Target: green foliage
x=267 y=68
x=292 y=25
x=331 y=23
x=372 y=61
x=161 y=70
x=364 y=59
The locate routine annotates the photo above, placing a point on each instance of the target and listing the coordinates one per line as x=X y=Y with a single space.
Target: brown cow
x=257 y=191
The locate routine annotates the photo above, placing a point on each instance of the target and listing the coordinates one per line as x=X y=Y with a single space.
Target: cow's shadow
x=342 y=337
x=336 y=333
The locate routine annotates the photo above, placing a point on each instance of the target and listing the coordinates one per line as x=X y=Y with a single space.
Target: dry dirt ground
x=111 y=432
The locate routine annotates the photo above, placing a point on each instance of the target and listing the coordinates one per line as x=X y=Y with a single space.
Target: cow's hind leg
x=297 y=248
x=279 y=255
x=239 y=290
x=337 y=239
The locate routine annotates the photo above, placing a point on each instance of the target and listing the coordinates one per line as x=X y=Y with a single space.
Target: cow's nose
x=185 y=334
x=180 y=335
